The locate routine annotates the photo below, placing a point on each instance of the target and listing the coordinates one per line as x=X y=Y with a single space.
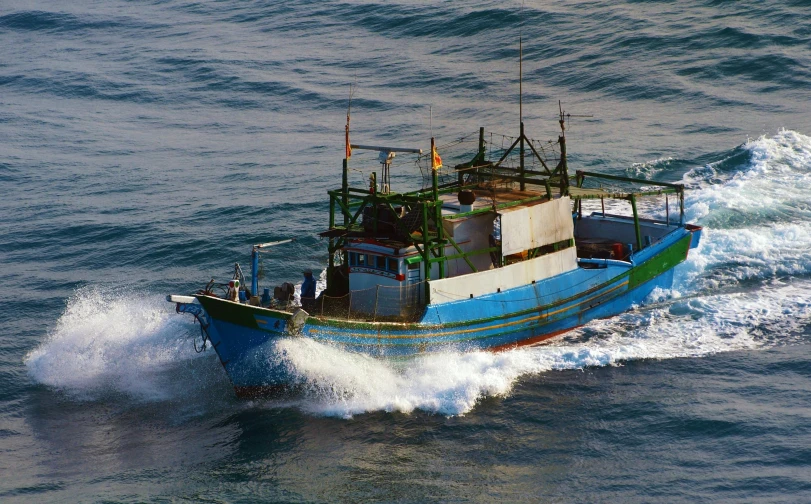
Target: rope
x=196 y=311
x=203 y=334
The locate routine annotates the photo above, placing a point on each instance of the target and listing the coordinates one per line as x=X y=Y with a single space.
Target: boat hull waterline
x=243 y=335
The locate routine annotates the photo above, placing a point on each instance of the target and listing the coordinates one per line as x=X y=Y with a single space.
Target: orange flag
x=436 y=161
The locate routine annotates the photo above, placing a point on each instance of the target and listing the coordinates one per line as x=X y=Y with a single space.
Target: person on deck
x=308 y=291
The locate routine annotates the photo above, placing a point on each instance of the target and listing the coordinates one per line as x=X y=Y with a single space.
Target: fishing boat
x=492 y=253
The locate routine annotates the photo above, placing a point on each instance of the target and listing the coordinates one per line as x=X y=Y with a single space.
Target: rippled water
x=145 y=146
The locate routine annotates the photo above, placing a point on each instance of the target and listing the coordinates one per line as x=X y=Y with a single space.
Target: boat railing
x=380 y=303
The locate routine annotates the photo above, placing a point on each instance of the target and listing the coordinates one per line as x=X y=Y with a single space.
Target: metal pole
x=374 y=200
x=564 y=166
x=522 y=185
x=437 y=209
x=427 y=259
x=377 y=293
x=345 y=192
x=636 y=223
x=254 y=271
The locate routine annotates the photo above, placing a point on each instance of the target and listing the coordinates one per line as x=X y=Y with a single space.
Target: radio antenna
x=521 y=67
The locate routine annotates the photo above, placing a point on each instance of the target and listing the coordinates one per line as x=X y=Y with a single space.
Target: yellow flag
x=436 y=161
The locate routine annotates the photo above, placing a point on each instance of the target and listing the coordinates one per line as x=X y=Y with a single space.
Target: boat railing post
x=681 y=206
x=377 y=294
x=349 y=306
x=667 y=210
x=636 y=223
x=254 y=271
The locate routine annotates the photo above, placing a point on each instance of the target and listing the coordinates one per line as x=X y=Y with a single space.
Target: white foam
x=650 y=169
x=111 y=341
x=776 y=178
x=688 y=321
x=345 y=384
x=757 y=216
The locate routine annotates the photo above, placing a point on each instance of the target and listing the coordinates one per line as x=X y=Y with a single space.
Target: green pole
x=427 y=254
x=373 y=190
x=481 y=143
x=522 y=185
x=437 y=210
x=331 y=211
x=564 y=166
x=345 y=191
x=482 y=150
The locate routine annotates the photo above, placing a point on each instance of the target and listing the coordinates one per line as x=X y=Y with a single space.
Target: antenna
x=521 y=67
x=565 y=117
x=521 y=92
x=348 y=147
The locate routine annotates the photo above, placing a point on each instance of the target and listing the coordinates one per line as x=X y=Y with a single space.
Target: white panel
x=508 y=277
x=527 y=227
x=470 y=233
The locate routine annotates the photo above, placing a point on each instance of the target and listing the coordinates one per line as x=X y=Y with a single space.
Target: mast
x=521 y=103
x=563 y=165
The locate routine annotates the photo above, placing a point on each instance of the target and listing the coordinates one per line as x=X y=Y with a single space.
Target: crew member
x=308 y=291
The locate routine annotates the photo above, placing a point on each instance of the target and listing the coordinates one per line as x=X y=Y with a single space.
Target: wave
x=113 y=341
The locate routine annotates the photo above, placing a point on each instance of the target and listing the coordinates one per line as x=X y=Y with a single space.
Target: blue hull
x=243 y=335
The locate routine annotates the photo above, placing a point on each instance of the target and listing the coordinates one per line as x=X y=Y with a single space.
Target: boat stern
x=695 y=232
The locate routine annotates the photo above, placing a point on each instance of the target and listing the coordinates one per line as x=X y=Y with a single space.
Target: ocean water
x=145 y=145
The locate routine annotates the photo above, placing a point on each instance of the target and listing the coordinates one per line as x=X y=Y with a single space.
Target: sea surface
x=145 y=145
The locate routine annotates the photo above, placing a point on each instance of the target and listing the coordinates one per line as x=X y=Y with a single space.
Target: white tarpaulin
x=529 y=227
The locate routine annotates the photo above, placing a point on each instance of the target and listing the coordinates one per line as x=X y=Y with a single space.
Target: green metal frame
x=430 y=239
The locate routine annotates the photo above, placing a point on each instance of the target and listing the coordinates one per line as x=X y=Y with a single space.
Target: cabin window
x=382 y=263
x=414 y=265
